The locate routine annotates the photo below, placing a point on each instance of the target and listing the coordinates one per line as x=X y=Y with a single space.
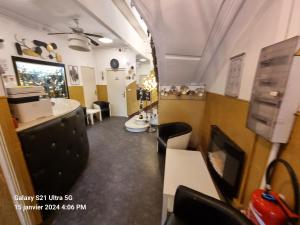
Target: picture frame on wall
x=234 y=76
x=50 y=75
x=74 y=75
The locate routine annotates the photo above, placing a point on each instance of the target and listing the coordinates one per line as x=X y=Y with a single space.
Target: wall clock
x=114 y=63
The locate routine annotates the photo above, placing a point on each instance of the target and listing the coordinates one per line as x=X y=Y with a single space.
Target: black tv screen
x=50 y=75
x=225 y=161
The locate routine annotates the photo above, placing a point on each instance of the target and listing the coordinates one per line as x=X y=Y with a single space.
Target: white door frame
x=125 y=96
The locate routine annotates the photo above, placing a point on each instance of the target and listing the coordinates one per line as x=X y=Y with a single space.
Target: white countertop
x=61 y=107
x=188 y=168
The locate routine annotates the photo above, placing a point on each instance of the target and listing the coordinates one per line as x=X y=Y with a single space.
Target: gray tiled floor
x=122 y=184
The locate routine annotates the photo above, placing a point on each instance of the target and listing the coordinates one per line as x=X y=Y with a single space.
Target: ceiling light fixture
x=142 y=60
x=105 y=40
x=79 y=42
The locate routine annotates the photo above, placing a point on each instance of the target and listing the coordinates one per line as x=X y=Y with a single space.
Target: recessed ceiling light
x=143 y=60
x=105 y=40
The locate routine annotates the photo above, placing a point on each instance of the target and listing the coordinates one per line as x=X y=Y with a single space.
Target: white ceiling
x=186 y=34
x=56 y=16
x=187 y=25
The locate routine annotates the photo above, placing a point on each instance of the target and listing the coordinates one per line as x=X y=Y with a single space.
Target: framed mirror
x=50 y=75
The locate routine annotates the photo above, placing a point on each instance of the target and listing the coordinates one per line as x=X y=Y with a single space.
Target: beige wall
x=291 y=153
x=258 y=24
x=77 y=93
x=230 y=115
x=8 y=213
x=189 y=111
x=102 y=93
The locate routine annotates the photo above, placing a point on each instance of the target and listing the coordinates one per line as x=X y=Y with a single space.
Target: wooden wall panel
x=102 y=93
x=154 y=95
x=291 y=153
x=230 y=115
x=8 y=213
x=257 y=168
x=17 y=157
x=77 y=93
x=132 y=102
x=189 y=111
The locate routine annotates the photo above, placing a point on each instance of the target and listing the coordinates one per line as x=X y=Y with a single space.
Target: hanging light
x=105 y=40
x=149 y=83
x=79 y=43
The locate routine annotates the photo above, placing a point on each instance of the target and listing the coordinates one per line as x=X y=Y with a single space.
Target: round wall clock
x=114 y=63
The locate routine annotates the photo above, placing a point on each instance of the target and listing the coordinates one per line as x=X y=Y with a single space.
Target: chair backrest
x=197 y=208
x=175 y=128
x=102 y=104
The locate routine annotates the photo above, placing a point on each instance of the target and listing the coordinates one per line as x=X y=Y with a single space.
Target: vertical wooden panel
x=102 y=93
x=132 y=102
x=8 y=213
x=77 y=93
x=133 y=105
x=229 y=115
x=17 y=158
x=189 y=111
x=291 y=153
x=257 y=167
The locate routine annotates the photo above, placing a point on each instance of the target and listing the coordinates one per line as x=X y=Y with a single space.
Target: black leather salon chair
x=174 y=135
x=194 y=208
x=104 y=107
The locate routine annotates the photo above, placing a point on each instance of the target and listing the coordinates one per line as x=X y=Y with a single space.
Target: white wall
x=10 y=27
x=258 y=24
x=126 y=58
x=143 y=69
x=98 y=58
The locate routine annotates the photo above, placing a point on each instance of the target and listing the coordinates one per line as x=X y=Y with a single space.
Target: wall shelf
x=182 y=97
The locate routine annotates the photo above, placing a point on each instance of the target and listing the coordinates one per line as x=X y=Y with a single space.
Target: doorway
x=116 y=92
x=89 y=85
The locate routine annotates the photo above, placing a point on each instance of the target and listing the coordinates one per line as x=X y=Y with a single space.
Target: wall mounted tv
x=50 y=75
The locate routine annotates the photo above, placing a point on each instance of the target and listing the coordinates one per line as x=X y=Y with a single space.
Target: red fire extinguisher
x=267 y=207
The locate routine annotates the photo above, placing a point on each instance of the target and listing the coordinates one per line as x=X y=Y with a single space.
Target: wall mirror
x=50 y=75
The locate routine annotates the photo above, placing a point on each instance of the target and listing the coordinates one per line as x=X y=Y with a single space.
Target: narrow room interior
x=136 y=112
